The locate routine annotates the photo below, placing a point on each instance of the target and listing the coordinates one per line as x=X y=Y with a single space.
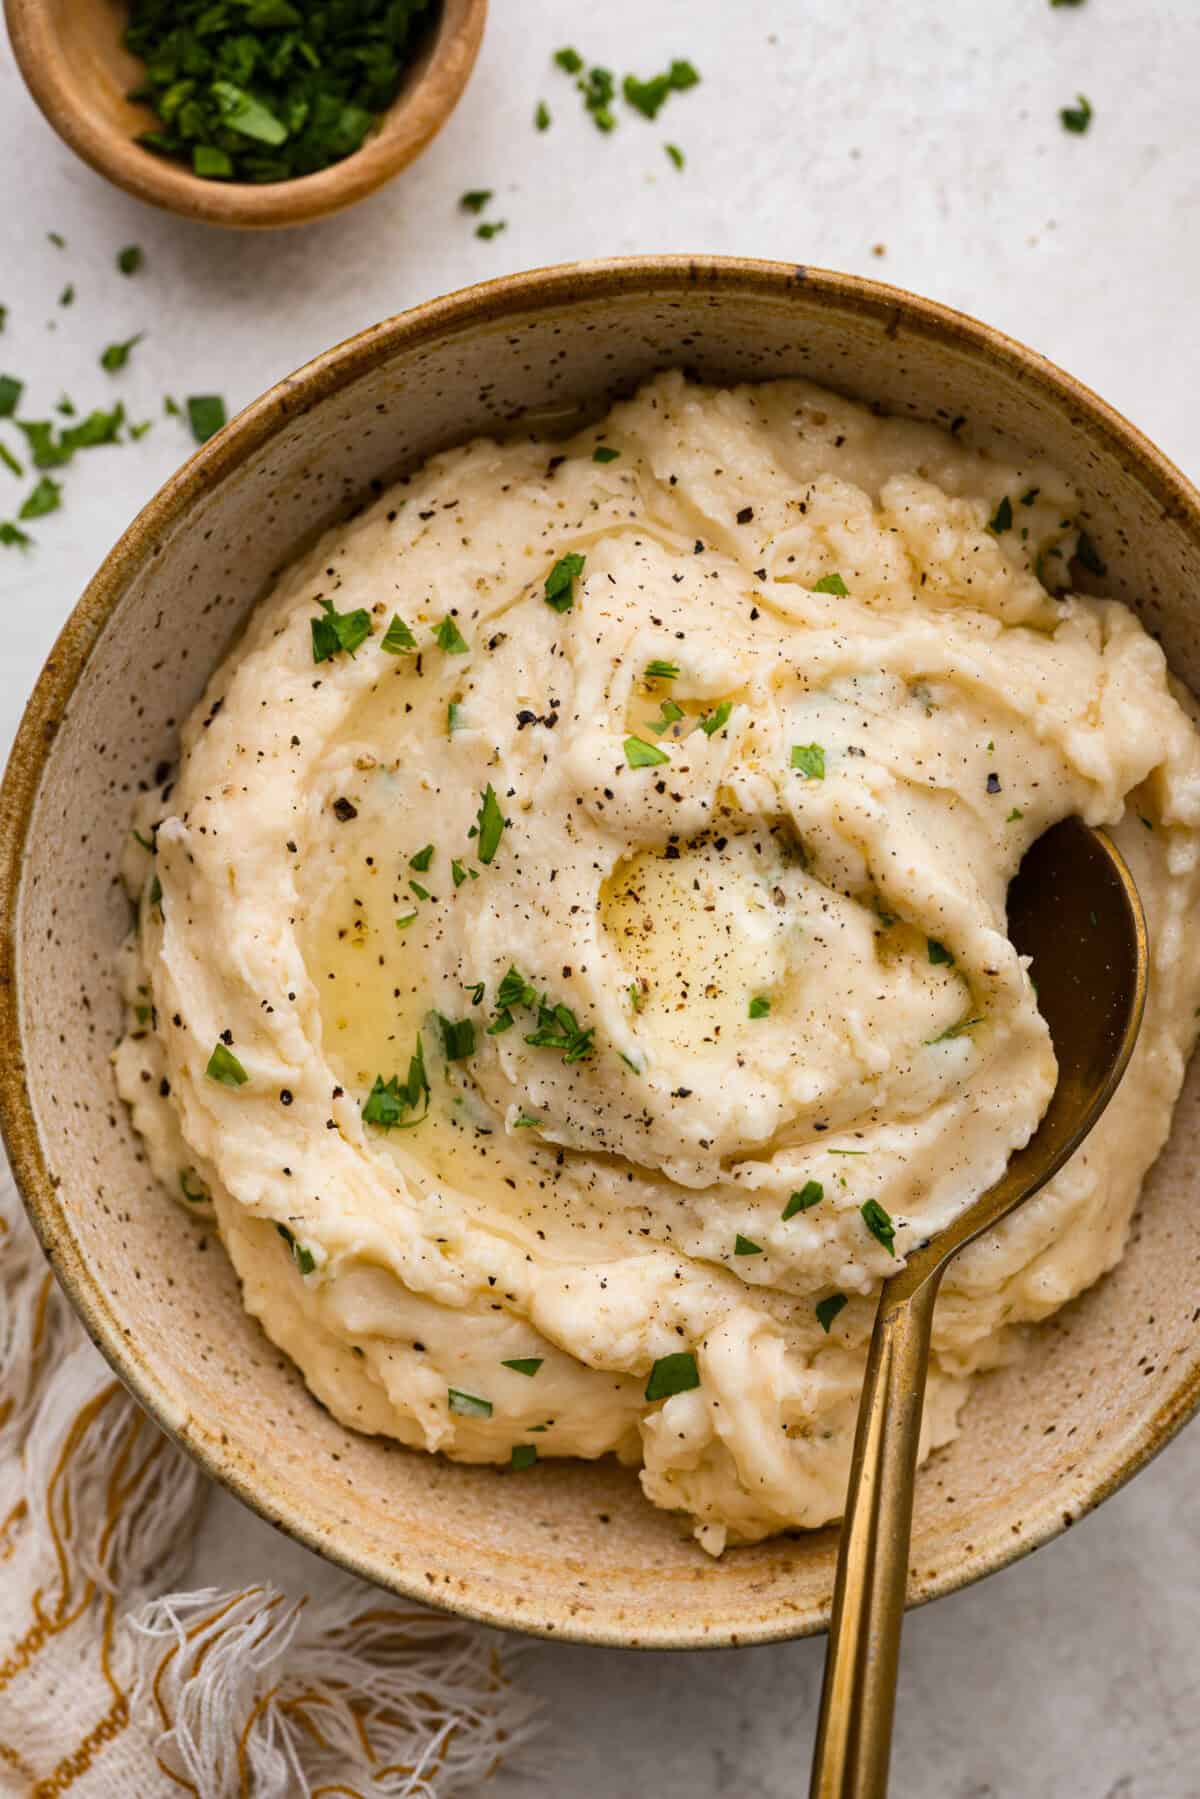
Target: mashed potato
x=571 y=958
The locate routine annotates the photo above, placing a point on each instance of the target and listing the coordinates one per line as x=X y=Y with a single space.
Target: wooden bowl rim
x=672 y=278
x=415 y=117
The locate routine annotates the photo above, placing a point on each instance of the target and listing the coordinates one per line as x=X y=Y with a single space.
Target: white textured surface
x=821 y=130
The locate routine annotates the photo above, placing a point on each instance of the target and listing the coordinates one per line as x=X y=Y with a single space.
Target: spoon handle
x=854 y=1732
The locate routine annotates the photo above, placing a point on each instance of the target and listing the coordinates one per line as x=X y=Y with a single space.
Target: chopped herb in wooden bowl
x=268 y=90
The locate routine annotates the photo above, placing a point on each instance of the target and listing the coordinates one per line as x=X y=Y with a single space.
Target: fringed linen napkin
x=114 y=1686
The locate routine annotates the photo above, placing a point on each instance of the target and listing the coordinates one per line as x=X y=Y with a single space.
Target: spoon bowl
x=1074 y=910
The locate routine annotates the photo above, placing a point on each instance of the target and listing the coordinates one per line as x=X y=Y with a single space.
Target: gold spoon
x=1074 y=909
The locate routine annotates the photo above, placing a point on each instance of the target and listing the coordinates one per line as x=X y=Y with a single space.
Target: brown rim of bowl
x=417 y=114
x=470 y=307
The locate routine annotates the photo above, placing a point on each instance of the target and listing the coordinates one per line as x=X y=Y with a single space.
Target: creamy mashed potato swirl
x=572 y=960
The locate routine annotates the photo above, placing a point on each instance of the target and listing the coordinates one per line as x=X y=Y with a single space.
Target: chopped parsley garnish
x=832 y=584
x=569 y=59
x=212 y=163
x=939 y=955
x=880 y=1225
x=458 y=1037
x=1087 y=554
x=524 y=1455
x=1077 y=118
x=662 y=671
x=12 y=536
x=560 y=582
x=44 y=448
x=195 y=1196
x=956 y=1030
x=117 y=355
x=456 y=717
x=828 y=1309
x=223 y=1065
x=809 y=758
x=475 y=199
x=1002 y=518
x=67 y=296
x=46 y=497
x=448 y=637
x=336 y=631
x=716 y=721
x=742 y=1246
x=647 y=97
x=303 y=1258
x=422 y=859
x=759 y=1006
x=640 y=754
x=810 y=1194
x=422 y=893
x=155 y=896
x=598 y=88
x=467 y=1405
x=604 y=453
x=130 y=259
x=541 y=117
x=269 y=90
x=489 y=822
x=477 y=989
x=389 y=1100
x=10 y=395
x=675 y=153
x=458 y=872
x=402 y=924
x=525 y=1364
x=514 y=990
x=558 y=1028
x=10 y=462
x=206 y=415
x=673 y=1374
x=491 y=229
x=1013 y=815
x=99 y=427
x=669 y=715
x=398 y=639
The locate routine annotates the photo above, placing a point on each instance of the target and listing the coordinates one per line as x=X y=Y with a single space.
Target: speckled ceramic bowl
x=573 y=1550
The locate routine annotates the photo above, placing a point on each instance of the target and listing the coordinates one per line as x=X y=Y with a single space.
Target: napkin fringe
x=256 y=1692
x=113 y=1683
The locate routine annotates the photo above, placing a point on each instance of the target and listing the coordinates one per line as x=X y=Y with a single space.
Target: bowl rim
x=423 y=105
x=524 y=293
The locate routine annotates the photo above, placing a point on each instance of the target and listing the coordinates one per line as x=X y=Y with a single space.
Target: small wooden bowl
x=75 y=66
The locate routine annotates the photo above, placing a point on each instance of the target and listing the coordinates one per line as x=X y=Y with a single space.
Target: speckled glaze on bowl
x=572 y=1550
